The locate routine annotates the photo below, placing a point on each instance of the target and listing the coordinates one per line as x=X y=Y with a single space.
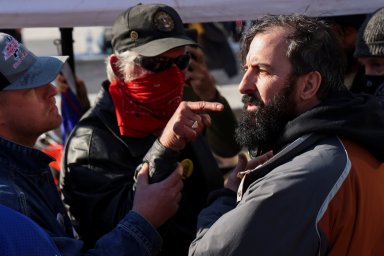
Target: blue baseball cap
x=21 y=69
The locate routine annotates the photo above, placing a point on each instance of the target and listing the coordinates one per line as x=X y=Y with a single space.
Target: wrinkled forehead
x=271 y=44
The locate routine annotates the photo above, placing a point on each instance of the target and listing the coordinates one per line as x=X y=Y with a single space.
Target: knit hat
x=21 y=69
x=149 y=30
x=370 y=38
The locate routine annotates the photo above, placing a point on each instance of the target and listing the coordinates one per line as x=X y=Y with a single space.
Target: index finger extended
x=201 y=106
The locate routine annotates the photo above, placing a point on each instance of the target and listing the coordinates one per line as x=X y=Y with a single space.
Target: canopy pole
x=67 y=46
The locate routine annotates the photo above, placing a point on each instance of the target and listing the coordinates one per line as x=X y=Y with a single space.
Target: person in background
x=320 y=192
x=213 y=37
x=81 y=91
x=27 y=110
x=200 y=85
x=146 y=77
x=369 y=51
x=346 y=26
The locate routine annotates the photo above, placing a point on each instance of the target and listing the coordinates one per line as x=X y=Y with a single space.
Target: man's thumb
x=242 y=163
x=142 y=176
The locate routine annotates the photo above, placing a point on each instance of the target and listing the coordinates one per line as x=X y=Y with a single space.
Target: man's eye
x=263 y=71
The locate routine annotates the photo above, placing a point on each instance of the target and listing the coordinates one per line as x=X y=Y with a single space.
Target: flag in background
x=70 y=107
x=71 y=112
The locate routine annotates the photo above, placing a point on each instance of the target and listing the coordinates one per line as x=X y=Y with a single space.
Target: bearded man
x=321 y=191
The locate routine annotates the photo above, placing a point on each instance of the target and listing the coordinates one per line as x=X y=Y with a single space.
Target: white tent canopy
x=72 y=13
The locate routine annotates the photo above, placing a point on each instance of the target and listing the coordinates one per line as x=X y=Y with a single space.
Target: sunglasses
x=160 y=63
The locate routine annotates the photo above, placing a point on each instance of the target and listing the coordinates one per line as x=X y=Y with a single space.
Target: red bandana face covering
x=145 y=105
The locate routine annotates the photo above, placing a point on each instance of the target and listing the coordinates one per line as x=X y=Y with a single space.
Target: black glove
x=161 y=160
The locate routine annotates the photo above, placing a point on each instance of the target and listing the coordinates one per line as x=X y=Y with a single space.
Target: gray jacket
x=321 y=193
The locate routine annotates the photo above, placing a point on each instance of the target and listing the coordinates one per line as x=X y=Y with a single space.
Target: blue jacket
x=26 y=185
x=19 y=235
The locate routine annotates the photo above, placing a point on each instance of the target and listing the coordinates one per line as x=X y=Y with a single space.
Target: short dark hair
x=312 y=46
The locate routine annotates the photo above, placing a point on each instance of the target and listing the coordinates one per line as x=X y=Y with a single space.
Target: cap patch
x=134 y=35
x=163 y=21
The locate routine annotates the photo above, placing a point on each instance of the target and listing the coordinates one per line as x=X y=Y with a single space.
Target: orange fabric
x=55 y=151
x=354 y=220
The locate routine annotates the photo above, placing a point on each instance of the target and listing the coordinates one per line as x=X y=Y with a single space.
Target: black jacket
x=98 y=170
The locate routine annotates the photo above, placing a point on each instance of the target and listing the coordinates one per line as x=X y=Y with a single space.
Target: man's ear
x=113 y=60
x=309 y=85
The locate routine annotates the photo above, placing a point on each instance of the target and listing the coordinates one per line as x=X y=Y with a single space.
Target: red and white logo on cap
x=12 y=48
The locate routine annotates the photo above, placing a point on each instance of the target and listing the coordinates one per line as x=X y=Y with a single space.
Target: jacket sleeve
x=161 y=160
x=132 y=236
x=277 y=215
x=97 y=184
x=221 y=202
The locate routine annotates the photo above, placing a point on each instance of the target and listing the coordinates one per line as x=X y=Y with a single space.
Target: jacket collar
x=15 y=154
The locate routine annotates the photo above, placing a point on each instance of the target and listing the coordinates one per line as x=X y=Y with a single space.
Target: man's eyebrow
x=264 y=66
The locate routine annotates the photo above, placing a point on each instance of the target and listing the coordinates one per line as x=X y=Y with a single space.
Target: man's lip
x=54 y=108
x=250 y=107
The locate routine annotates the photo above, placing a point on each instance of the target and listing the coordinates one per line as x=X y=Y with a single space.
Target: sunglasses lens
x=158 y=64
x=183 y=61
x=154 y=64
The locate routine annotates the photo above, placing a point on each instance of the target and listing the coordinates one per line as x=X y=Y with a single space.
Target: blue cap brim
x=41 y=73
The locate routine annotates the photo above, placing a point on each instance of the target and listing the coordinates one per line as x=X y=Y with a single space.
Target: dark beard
x=264 y=127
